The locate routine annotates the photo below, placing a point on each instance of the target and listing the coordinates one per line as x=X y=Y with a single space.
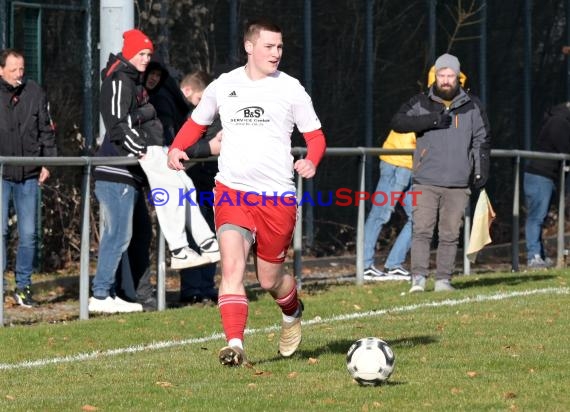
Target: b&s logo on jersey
x=250 y=116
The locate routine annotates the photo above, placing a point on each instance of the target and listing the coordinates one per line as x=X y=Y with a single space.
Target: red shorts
x=271 y=220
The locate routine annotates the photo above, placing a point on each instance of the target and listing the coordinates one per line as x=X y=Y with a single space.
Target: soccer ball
x=370 y=361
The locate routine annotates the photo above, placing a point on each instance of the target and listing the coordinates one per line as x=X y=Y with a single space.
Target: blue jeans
x=392 y=179
x=537 y=194
x=116 y=206
x=24 y=194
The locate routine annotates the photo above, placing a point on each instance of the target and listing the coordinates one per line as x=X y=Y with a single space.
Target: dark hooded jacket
x=130 y=121
x=554 y=137
x=171 y=106
x=26 y=129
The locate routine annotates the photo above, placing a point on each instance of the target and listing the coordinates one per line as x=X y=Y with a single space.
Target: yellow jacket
x=399 y=141
x=408 y=140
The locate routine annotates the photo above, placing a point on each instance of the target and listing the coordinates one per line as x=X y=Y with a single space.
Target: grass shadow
x=340 y=347
x=504 y=280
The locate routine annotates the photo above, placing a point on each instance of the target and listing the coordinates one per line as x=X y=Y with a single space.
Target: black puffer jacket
x=171 y=106
x=25 y=127
x=554 y=137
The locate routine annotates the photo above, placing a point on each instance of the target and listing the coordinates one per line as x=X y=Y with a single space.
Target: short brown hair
x=9 y=52
x=197 y=80
x=253 y=27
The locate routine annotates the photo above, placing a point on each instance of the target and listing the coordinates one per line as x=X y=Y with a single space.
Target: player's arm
x=316 y=146
x=186 y=137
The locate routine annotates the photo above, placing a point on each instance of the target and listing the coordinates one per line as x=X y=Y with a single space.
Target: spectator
x=395 y=177
x=173 y=103
x=258 y=107
x=452 y=151
x=540 y=179
x=119 y=188
x=168 y=107
x=26 y=130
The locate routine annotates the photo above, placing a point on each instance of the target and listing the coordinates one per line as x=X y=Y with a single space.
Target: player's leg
x=275 y=223
x=235 y=243
x=234 y=229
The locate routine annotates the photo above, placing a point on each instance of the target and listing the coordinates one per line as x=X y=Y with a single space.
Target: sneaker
x=211 y=250
x=290 y=337
x=232 y=356
x=537 y=263
x=187 y=258
x=106 y=305
x=418 y=283
x=443 y=285
x=398 y=271
x=373 y=273
x=549 y=262
x=127 y=307
x=23 y=297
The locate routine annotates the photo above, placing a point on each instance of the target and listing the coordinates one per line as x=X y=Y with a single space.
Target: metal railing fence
x=87 y=163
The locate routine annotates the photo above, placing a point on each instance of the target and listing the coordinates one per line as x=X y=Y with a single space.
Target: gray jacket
x=452 y=156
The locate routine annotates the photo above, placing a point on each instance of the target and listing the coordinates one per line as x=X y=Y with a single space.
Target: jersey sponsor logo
x=232 y=94
x=251 y=112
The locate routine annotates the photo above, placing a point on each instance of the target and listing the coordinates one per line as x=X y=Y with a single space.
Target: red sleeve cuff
x=188 y=134
x=316 y=146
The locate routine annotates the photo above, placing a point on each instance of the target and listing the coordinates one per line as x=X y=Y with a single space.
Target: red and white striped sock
x=289 y=304
x=233 y=311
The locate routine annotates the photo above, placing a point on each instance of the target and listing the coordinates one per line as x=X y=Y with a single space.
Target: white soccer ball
x=370 y=361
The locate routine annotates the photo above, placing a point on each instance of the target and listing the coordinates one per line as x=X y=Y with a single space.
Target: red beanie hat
x=135 y=41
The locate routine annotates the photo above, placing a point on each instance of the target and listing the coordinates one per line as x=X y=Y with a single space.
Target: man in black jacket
x=540 y=180
x=173 y=102
x=25 y=130
x=119 y=189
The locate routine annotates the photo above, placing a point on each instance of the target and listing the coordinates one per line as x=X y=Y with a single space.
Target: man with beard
x=453 y=144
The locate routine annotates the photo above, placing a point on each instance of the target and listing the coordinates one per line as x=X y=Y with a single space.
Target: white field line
x=216 y=336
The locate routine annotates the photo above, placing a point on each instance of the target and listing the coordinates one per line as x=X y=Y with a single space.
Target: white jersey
x=257 y=118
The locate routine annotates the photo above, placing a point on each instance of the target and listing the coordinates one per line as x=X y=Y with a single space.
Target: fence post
x=160 y=272
x=560 y=246
x=84 y=254
x=298 y=236
x=360 y=224
x=2 y=257
x=516 y=212
x=466 y=237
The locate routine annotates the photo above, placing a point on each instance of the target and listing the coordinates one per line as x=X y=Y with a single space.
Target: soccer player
x=258 y=106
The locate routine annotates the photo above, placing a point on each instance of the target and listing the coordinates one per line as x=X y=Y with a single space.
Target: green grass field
x=501 y=342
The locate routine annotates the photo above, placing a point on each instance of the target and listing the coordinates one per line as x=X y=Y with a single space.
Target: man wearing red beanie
x=119 y=189
x=133 y=42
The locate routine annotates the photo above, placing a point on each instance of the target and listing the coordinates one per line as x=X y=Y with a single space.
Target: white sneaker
x=187 y=258
x=106 y=305
x=211 y=250
x=127 y=307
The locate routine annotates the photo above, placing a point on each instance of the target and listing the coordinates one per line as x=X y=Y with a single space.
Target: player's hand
x=305 y=168
x=175 y=158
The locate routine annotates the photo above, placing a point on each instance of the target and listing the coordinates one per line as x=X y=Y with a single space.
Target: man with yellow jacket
x=395 y=178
